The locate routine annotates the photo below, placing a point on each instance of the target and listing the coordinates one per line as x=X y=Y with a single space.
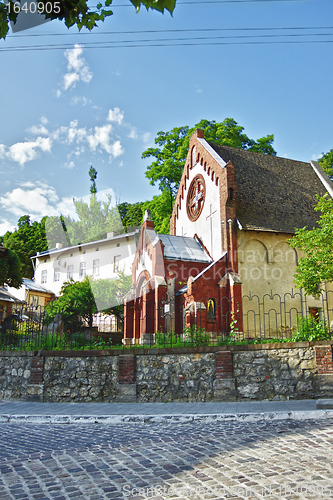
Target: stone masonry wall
x=15 y=372
x=174 y=377
x=293 y=371
x=275 y=374
x=81 y=380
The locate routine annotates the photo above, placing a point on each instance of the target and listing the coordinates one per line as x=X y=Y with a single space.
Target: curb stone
x=168 y=419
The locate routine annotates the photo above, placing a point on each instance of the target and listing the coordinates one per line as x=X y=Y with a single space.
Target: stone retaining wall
x=280 y=371
x=80 y=379
x=15 y=373
x=174 y=377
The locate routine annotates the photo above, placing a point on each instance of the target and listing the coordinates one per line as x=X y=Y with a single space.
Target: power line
x=191 y=30
x=170 y=43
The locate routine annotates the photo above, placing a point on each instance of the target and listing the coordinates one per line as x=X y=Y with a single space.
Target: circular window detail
x=196 y=197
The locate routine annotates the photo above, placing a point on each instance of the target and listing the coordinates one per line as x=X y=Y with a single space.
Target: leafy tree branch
x=76 y=12
x=316 y=267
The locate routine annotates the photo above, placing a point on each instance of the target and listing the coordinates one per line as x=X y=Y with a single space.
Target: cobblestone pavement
x=266 y=460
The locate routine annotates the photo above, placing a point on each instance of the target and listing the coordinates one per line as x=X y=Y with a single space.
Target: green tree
x=159 y=207
x=316 y=266
x=326 y=162
x=93 y=176
x=96 y=219
x=77 y=11
x=76 y=301
x=80 y=300
x=131 y=214
x=170 y=155
x=109 y=294
x=28 y=239
x=10 y=270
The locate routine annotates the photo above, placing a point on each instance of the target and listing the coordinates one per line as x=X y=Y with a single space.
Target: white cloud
x=133 y=134
x=37 y=199
x=80 y=100
x=38 y=130
x=2 y=150
x=6 y=226
x=22 y=152
x=58 y=93
x=115 y=115
x=70 y=79
x=146 y=137
x=70 y=165
x=34 y=200
x=97 y=138
x=66 y=207
x=78 y=69
x=40 y=199
x=117 y=149
x=44 y=120
x=101 y=137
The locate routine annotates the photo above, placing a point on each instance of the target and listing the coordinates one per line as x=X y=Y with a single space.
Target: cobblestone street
x=285 y=459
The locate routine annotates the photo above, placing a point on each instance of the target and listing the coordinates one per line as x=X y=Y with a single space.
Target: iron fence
x=209 y=321
x=30 y=328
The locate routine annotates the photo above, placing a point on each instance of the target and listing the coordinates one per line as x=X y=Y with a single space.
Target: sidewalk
x=116 y=413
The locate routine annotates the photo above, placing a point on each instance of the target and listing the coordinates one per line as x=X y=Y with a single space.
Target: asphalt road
x=230 y=460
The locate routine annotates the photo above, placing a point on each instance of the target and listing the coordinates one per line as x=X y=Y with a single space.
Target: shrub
x=168 y=339
x=196 y=336
x=309 y=329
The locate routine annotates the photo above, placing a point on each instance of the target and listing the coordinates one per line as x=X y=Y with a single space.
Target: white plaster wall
x=107 y=250
x=19 y=293
x=201 y=227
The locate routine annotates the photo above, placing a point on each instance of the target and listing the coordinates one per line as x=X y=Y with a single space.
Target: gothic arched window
x=211 y=310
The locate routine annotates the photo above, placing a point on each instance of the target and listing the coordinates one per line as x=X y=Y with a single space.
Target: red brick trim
x=223 y=363
x=127 y=369
x=324 y=358
x=37 y=370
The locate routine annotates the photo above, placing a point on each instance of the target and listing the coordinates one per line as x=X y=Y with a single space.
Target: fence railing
x=30 y=328
x=271 y=317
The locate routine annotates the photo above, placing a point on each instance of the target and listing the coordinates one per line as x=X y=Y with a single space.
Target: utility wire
x=192 y=30
x=169 y=43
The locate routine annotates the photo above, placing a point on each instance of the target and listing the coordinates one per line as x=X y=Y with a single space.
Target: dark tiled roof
x=273 y=193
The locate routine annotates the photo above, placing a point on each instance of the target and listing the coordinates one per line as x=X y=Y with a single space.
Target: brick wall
x=324 y=359
x=37 y=370
x=223 y=363
x=127 y=369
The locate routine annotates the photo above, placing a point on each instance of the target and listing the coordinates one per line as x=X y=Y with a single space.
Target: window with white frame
x=96 y=267
x=116 y=260
x=70 y=272
x=44 y=276
x=82 y=269
x=57 y=274
x=34 y=301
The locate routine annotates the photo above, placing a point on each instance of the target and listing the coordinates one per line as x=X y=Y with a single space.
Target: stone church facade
x=227 y=258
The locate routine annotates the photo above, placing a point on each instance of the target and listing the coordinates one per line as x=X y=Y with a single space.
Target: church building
x=226 y=264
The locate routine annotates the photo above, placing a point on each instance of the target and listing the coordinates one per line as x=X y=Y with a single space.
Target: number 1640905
x=32 y=7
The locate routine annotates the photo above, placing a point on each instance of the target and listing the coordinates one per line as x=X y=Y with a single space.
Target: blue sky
x=95 y=100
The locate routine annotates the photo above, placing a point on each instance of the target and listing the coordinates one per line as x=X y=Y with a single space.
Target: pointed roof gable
x=273 y=193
